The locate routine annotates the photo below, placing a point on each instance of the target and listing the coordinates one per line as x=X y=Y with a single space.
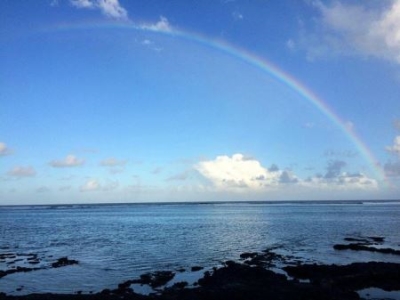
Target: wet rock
x=352 y=277
x=180 y=285
x=362 y=247
x=247 y=255
x=64 y=261
x=154 y=279
x=196 y=268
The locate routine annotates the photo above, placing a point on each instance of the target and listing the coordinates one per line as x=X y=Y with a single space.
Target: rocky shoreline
x=250 y=278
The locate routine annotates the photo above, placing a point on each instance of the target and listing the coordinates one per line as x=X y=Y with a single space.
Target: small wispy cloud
x=68 y=161
x=90 y=185
x=94 y=185
x=112 y=162
x=109 y=8
x=21 y=171
x=237 y=16
x=4 y=149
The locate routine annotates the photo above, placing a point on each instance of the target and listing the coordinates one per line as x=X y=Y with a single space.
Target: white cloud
x=83 y=3
x=4 y=150
x=355 y=29
x=237 y=172
x=90 y=185
x=95 y=185
x=395 y=148
x=110 y=8
x=22 y=172
x=68 y=161
x=161 y=26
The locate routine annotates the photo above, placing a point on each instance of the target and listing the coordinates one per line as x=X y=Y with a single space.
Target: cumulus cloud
x=68 y=161
x=346 y=28
x=237 y=172
x=22 y=172
x=395 y=148
x=4 y=150
x=241 y=173
x=109 y=8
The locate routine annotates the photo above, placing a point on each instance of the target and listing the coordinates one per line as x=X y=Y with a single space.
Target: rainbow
x=162 y=27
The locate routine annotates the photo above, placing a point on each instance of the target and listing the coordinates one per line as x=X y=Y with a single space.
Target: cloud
x=395 y=148
x=90 y=185
x=237 y=16
x=94 y=185
x=161 y=26
x=392 y=169
x=239 y=173
x=236 y=172
x=109 y=8
x=68 y=161
x=343 y=181
x=345 y=28
x=112 y=162
x=22 y=172
x=4 y=150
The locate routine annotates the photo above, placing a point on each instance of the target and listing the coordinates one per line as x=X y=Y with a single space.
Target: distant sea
x=117 y=242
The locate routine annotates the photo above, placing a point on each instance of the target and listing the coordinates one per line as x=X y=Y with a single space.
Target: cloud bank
x=241 y=173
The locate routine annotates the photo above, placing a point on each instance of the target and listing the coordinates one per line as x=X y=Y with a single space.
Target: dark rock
x=196 y=268
x=247 y=255
x=105 y=292
x=378 y=239
x=180 y=285
x=358 y=240
x=64 y=261
x=361 y=247
x=352 y=277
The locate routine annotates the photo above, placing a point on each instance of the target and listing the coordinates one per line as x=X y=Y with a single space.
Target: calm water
x=114 y=243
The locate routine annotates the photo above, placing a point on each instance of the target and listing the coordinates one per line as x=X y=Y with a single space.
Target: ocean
x=118 y=242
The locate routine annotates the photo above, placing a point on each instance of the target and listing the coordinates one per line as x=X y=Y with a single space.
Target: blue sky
x=136 y=101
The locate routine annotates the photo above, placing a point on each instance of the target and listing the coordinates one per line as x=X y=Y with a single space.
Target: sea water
x=115 y=243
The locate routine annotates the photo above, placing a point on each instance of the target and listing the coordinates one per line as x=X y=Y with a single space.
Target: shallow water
x=115 y=243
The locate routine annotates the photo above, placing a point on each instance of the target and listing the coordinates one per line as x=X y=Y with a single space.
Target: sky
x=105 y=101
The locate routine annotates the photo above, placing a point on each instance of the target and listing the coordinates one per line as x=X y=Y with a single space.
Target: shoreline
x=252 y=277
